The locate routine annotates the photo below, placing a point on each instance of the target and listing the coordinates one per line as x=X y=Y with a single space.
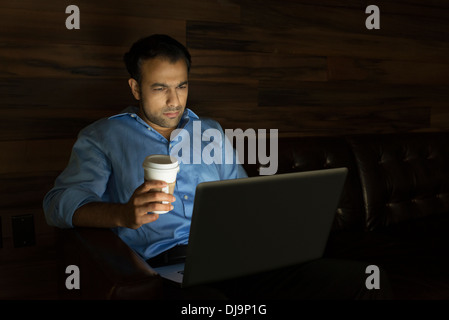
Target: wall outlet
x=23 y=230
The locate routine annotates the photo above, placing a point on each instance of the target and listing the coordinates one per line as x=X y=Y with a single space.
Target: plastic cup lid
x=160 y=161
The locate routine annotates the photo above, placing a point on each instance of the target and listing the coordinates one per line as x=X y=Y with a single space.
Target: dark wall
x=303 y=67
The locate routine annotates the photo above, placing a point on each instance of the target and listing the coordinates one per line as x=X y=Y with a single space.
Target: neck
x=165 y=132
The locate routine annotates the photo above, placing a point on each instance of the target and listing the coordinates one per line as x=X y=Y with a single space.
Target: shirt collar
x=129 y=111
x=186 y=116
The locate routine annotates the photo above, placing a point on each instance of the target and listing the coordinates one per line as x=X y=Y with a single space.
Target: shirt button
x=149 y=128
x=186 y=197
x=133 y=116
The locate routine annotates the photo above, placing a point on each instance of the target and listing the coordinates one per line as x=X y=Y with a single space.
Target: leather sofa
x=393 y=213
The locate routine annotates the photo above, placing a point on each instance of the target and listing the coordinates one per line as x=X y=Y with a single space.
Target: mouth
x=171 y=115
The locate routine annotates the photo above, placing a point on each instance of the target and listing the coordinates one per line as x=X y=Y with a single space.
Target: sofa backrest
x=392 y=178
x=404 y=176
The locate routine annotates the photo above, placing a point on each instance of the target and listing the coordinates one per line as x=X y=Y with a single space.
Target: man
x=103 y=184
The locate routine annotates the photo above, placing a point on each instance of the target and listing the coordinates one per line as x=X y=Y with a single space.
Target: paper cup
x=161 y=167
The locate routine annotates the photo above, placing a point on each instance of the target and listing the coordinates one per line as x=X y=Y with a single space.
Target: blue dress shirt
x=106 y=166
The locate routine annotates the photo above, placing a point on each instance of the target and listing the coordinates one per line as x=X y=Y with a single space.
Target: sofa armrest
x=108 y=268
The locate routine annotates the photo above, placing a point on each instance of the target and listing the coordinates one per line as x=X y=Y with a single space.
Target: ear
x=135 y=89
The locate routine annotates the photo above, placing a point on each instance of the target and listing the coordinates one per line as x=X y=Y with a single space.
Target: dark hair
x=156 y=45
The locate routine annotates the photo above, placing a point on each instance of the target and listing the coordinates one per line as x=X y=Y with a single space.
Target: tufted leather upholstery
x=392 y=179
x=394 y=210
x=404 y=177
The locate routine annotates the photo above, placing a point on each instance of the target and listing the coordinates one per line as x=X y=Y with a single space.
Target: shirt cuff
x=67 y=203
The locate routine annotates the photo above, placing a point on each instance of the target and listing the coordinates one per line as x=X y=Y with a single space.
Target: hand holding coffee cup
x=164 y=168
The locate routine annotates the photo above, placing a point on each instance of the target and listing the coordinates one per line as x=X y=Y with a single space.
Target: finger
x=158 y=206
x=150 y=184
x=158 y=196
x=149 y=197
x=148 y=218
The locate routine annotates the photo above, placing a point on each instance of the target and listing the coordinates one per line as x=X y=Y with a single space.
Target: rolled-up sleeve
x=84 y=180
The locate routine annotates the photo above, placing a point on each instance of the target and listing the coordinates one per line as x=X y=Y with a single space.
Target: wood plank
x=62 y=61
x=206 y=92
x=80 y=61
x=49 y=27
x=23 y=123
x=199 y=10
x=388 y=71
x=325 y=120
x=432 y=4
x=349 y=94
x=35 y=108
x=234 y=66
x=315 y=40
x=397 y=20
x=34 y=156
x=15 y=199
x=61 y=93
x=415 y=5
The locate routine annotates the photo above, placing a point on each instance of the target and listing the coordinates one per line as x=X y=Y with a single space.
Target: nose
x=172 y=98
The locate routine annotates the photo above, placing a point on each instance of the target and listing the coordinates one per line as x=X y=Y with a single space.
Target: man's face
x=162 y=92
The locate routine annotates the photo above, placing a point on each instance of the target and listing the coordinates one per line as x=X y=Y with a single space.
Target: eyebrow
x=158 y=84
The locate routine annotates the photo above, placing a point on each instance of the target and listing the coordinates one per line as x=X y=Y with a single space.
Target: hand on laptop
x=146 y=199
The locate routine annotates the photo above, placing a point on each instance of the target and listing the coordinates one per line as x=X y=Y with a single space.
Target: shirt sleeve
x=84 y=180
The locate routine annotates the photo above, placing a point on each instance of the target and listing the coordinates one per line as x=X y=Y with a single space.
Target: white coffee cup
x=161 y=167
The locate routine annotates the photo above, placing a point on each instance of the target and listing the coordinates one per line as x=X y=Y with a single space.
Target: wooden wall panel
x=312 y=41
x=243 y=67
x=96 y=27
x=304 y=67
x=388 y=71
x=41 y=60
x=36 y=108
x=34 y=156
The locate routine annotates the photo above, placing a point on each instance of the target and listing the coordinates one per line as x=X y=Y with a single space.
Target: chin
x=171 y=123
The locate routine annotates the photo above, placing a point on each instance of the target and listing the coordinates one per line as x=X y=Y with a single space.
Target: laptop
x=251 y=225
